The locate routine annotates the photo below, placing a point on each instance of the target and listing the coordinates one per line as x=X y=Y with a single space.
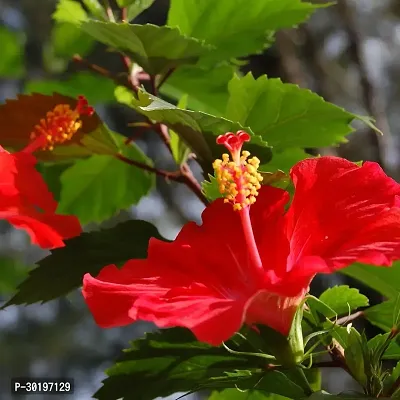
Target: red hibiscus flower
x=26 y=203
x=253 y=262
x=25 y=200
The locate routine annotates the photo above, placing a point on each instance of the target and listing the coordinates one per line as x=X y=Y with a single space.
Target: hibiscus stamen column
x=59 y=125
x=239 y=182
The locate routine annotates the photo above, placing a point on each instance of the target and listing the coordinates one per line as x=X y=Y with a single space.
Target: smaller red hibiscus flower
x=25 y=200
x=253 y=263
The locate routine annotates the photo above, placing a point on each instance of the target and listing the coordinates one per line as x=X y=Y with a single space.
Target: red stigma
x=83 y=107
x=233 y=141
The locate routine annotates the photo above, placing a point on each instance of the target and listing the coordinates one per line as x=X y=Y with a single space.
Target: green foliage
x=284 y=159
x=236 y=28
x=68 y=39
x=384 y=280
x=96 y=188
x=384 y=315
x=354 y=355
x=199 y=130
x=207 y=89
x=236 y=394
x=284 y=115
x=96 y=88
x=135 y=7
x=194 y=60
x=13 y=272
x=156 y=49
x=12 y=54
x=51 y=173
x=70 y=11
x=210 y=188
x=352 y=395
x=61 y=272
x=173 y=361
x=180 y=151
x=95 y=8
x=343 y=299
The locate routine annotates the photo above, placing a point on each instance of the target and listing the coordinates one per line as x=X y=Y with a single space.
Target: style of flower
x=251 y=261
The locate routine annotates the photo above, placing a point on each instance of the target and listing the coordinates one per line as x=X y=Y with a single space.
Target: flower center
x=238 y=180
x=60 y=124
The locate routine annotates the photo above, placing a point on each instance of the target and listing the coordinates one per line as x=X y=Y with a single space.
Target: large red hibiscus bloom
x=253 y=262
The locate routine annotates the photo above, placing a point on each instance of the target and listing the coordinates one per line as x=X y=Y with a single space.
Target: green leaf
x=12 y=54
x=172 y=361
x=69 y=11
x=13 y=272
x=180 y=151
x=284 y=115
x=207 y=88
x=156 y=49
x=285 y=159
x=314 y=378
x=62 y=271
x=97 y=89
x=343 y=299
x=51 y=173
x=392 y=378
x=95 y=8
x=135 y=7
x=236 y=28
x=96 y=188
x=235 y=394
x=317 y=306
x=210 y=188
x=383 y=315
x=199 y=130
x=392 y=352
x=354 y=356
x=322 y=395
x=382 y=279
x=68 y=39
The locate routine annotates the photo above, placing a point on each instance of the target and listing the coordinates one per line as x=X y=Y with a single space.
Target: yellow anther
x=61 y=123
x=238 y=183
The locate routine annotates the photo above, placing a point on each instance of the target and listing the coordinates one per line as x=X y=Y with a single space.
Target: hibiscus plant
x=230 y=296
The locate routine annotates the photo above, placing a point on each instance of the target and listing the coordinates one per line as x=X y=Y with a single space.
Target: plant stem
x=137 y=134
x=124 y=14
x=184 y=175
x=154 y=88
x=165 y=77
x=172 y=175
x=109 y=11
x=349 y=318
x=104 y=72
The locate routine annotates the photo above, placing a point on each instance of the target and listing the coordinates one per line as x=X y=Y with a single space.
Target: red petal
x=19 y=177
x=27 y=203
x=273 y=310
x=45 y=230
x=342 y=213
x=267 y=219
x=161 y=294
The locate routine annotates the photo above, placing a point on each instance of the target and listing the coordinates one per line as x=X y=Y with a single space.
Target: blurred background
x=348 y=53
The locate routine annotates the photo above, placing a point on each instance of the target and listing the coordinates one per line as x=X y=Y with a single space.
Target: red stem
x=124 y=15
